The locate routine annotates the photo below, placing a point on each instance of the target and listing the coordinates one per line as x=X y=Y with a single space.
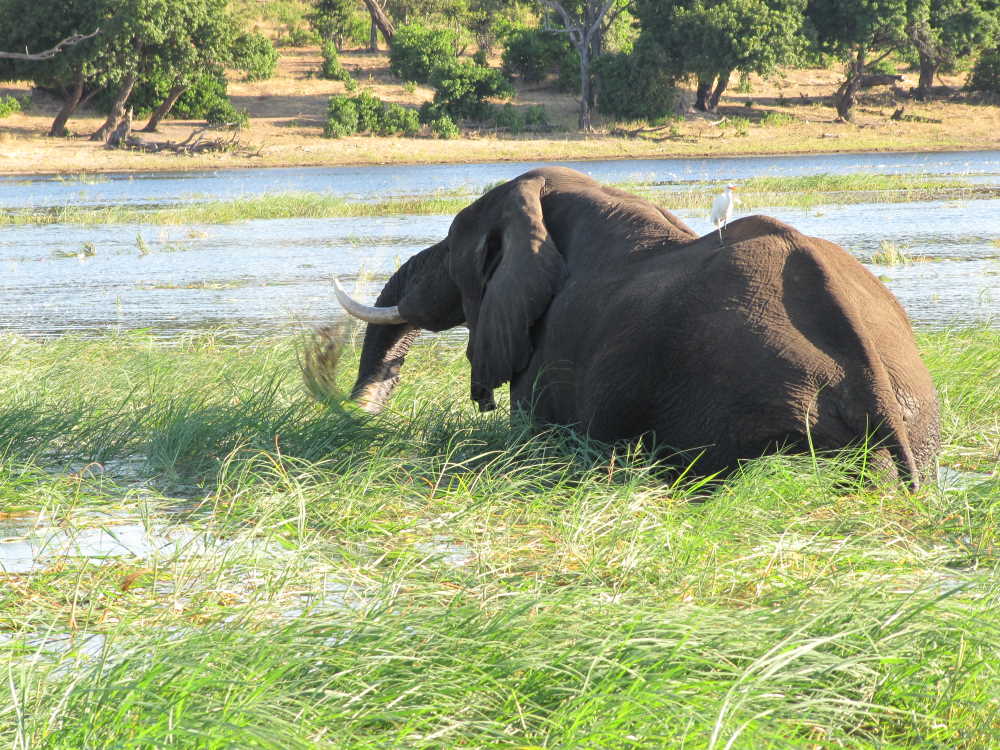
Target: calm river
x=262 y=277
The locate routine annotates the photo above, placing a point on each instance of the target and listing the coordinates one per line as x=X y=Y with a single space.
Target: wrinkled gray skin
x=607 y=313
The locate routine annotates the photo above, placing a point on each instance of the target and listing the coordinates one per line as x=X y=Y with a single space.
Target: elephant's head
x=497 y=271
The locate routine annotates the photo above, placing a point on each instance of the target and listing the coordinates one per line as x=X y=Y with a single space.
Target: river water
x=267 y=276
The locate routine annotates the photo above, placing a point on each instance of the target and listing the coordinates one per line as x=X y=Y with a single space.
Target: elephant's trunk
x=425 y=298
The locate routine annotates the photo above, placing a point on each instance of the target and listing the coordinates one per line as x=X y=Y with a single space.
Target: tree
x=942 y=31
x=334 y=20
x=380 y=21
x=860 y=32
x=583 y=24
x=713 y=38
x=75 y=74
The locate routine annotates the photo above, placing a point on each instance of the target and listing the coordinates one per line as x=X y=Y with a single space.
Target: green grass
x=756 y=192
x=436 y=578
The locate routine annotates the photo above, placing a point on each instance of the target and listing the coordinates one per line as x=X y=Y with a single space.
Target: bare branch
x=49 y=53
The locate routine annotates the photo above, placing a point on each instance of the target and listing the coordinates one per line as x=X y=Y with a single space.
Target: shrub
x=510 y=118
x=298 y=37
x=417 y=50
x=207 y=93
x=535 y=116
x=369 y=108
x=254 y=54
x=366 y=113
x=9 y=105
x=398 y=119
x=332 y=69
x=341 y=118
x=224 y=114
x=985 y=74
x=444 y=127
x=631 y=88
x=534 y=53
x=338 y=21
x=462 y=88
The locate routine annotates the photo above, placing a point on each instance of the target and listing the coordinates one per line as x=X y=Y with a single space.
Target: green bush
x=332 y=69
x=532 y=54
x=417 y=50
x=509 y=118
x=397 y=119
x=256 y=56
x=631 y=87
x=224 y=115
x=341 y=118
x=444 y=127
x=207 y=94
x=461 y=89
x=339 y=21
x=298 y=37
x=535 y=116
x=9 y=105
x=985 y=74
x=365 y=113
x=369 y=109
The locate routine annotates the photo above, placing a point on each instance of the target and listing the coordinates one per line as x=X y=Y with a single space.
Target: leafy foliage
x=533 y=54
x=417 y=51
x=338 y=21
x=254 y=54
x=9 y=105
x=631 y=87
x=985 y=75
x=341 y=118
x=332 y=69
x=365 y=113
x=461 y=89
x=444 y=127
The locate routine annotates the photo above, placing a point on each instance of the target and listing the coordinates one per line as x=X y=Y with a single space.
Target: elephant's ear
x=521 y=270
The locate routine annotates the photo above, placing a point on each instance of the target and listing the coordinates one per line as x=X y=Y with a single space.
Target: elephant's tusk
x=384 y=316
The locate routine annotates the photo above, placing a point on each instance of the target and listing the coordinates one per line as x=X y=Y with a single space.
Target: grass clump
x=9 y=105
x=435 y=577
x=331 y=68
x=889 y=254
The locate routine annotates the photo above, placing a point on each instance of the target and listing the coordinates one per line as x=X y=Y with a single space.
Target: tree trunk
x=380 y=19
x=928 y=69
x=702 y=93
x=164 y=109
x=373 y=37
x=848 y=90
x=71 y=100
x=584 y=88
x=117 y=109
x=720 y=86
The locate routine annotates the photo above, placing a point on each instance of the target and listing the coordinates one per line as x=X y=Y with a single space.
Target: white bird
x=722 y=209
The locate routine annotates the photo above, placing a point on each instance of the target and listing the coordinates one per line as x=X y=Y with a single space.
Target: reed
x=435 y=577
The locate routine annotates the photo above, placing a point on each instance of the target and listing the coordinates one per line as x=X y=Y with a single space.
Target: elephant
x=608 y=314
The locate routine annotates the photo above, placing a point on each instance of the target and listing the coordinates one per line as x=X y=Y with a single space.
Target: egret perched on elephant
x=606 y=313
x=722 y=209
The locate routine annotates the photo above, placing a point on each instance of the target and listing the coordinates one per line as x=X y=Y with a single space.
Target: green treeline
x=623 y=58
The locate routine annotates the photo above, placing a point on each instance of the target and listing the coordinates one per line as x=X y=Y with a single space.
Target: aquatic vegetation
x=804 y=191
x=303 y=575
x=889 y=254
